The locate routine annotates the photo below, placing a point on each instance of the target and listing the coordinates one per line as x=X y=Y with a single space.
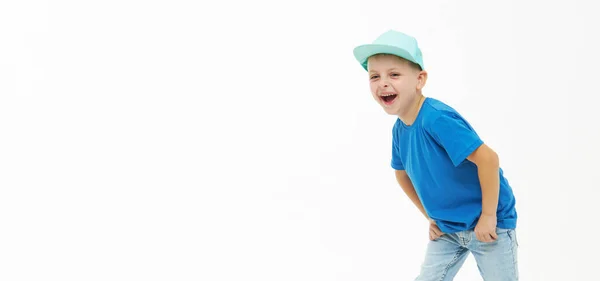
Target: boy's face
x=394 y=83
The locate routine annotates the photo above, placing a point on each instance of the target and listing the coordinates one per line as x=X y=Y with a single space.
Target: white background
x=237 y=140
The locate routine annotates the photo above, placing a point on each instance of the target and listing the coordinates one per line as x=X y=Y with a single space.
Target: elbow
x=490 y=160
x=494 y=160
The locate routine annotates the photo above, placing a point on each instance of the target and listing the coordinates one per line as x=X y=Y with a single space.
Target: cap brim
x=363 y=52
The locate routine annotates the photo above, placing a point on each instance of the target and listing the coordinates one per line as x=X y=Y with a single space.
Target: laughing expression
x=394 y=82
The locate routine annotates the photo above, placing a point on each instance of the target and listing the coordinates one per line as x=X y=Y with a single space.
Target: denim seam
x=512 y=250
x=468 y=238
x=451 y=262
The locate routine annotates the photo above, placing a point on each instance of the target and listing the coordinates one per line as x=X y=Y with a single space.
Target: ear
x=421 y=79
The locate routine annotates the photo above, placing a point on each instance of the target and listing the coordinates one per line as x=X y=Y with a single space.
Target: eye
x=395 y=74
x=374 y=77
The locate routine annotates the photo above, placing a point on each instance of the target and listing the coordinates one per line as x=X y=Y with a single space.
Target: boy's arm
x=409 y=189
x=488 y=166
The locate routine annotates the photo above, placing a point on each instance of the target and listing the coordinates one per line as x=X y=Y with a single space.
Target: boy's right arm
x=409 y=189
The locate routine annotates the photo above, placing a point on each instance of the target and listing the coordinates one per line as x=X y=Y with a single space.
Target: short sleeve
x=396 y=161
x=456 y=136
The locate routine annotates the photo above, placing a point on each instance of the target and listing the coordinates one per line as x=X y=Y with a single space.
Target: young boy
x=443 y=166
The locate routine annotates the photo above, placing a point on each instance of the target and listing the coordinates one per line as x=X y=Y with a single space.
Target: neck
x=411 y=114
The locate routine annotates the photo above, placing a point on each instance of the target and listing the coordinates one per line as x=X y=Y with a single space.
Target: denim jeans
x=497 y=261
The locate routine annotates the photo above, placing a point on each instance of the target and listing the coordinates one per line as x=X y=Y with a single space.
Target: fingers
x=494 y=235
x=434 y=232
x=483 y=237
x=433 y=235
x=486 y=236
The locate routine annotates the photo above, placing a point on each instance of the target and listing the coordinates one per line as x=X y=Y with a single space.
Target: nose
x=383 y=83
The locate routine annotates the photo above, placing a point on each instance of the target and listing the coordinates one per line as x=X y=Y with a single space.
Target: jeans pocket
x=512 y=234
x=501 y=230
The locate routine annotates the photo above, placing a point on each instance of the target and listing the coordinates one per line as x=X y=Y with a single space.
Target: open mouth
x=389 y=99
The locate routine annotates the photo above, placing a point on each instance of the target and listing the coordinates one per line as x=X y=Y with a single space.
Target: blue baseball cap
x=391 y=42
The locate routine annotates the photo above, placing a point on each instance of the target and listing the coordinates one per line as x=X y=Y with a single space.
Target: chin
x=390 y=111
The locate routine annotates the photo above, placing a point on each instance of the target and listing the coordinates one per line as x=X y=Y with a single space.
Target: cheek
x=405 y=86
x=373 y=88
x=412 y=84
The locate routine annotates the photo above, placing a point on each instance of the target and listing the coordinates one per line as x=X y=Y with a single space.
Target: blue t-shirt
x=433 y=151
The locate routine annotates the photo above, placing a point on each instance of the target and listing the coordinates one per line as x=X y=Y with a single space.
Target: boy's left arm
x=488 y=165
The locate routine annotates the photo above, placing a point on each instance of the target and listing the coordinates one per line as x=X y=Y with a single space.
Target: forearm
x=488 y=170
x=489 y=178
x=410 y=192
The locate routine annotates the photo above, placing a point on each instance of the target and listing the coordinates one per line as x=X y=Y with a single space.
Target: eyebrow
x=393 y=68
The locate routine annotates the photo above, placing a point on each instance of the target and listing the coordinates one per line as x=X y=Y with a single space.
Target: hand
x=485 y=231
x=434 y=230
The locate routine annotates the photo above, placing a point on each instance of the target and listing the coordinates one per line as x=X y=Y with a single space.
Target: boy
x=443 y=166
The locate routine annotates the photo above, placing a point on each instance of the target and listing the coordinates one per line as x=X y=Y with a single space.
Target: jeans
x=497 y=261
